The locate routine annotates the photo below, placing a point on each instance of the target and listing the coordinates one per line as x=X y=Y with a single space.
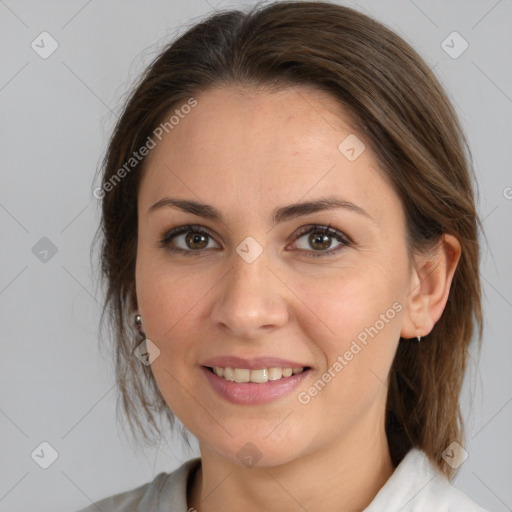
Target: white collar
x=417 y=485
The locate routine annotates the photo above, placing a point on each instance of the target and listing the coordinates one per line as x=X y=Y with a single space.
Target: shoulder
x=165 y=489
x=418 y=486
x=127 y=501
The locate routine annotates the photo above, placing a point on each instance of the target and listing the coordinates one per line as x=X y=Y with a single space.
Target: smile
x=258 y=376
x=236 y=385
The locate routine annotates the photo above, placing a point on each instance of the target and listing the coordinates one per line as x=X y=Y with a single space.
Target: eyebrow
x=279 y=215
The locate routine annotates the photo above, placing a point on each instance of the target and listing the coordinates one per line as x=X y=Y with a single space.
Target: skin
x=246 y=152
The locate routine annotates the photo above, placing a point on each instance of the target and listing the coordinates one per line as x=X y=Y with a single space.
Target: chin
x=256 y=448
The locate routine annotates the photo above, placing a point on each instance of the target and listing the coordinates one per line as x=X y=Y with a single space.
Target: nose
x=250 y=300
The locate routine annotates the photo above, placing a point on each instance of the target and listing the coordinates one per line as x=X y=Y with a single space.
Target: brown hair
x=400 y=108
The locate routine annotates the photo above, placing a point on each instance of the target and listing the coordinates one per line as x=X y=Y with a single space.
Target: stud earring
x=138 y=323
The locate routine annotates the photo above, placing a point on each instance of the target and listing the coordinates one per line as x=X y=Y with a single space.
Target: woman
x=289 y=242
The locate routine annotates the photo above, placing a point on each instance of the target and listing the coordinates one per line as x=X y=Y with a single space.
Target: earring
x=418 y=338
x=138 y=323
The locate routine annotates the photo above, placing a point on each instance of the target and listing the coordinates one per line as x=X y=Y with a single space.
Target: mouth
x=254 y=386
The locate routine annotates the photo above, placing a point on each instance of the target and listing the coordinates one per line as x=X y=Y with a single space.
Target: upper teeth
x=259 y=376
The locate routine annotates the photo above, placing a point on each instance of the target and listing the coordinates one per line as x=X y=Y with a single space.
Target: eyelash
x=315 y=228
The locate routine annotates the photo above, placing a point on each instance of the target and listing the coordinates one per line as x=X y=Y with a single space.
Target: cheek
x=339 y=308
x=168 y=297
x=169 y=300
x=354 y=324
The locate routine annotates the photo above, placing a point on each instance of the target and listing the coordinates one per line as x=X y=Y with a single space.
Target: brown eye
x=320 y=239
x=196 y=240
x=189 y=240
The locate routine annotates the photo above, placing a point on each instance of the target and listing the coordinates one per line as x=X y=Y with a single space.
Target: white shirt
x=416 y=485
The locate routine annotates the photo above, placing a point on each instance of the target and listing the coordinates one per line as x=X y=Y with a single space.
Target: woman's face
x=252 y=288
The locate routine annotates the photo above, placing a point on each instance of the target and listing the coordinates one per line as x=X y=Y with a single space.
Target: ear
x=431 y=278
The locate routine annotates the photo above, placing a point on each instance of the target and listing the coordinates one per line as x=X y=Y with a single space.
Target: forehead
x=290 y=120
x=257 y=148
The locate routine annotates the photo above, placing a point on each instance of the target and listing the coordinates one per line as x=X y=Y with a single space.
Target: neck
x=345 y=475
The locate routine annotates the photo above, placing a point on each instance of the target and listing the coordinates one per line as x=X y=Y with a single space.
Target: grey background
x=56 y=114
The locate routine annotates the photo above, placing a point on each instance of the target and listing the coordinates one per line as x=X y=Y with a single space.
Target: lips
x=252 y=393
